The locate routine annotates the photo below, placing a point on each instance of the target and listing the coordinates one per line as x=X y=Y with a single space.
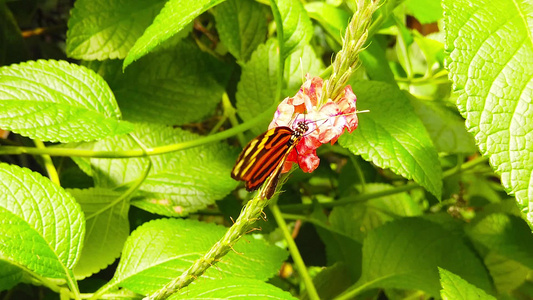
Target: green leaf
x=10 y=275
x=340 y=248
x=23 y=246
x=490 y=49
x=186 y=89
x=505 y=235
x=173 y=18
x=58 y=101
x=103 y=29
x=405 y=254
x=228 y=288
x=332 y=280
x=456 y=288
x=179 y=182
x=297 y=27
x=42 y=226
x=506 y=274
x=392 y=136
x=425 y=11
x=107 y=229
x=433 y=50
x=257 y=88
x=357 y=219
x=161 y=250
x=242 y=26
x=375 y=61
x=446 y=128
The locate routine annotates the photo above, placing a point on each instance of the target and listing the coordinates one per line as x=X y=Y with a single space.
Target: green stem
x=56 y=151
x=48 y=163
x=295 y=254
x=353 y=199
x=404 y=188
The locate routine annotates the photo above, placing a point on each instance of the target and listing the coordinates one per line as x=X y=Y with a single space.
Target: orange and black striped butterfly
x=264 y=157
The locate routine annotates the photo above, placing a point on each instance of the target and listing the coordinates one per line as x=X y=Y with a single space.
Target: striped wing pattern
x=262 y=156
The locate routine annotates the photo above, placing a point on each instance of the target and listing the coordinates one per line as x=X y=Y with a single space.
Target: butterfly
x=263 y=158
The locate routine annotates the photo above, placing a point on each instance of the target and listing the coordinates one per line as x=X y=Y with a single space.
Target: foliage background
x=131 y=116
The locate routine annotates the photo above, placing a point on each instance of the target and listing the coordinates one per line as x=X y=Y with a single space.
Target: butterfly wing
x=262 y=156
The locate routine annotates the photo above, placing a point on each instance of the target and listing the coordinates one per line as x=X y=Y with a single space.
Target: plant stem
x=48 y=163
x=56 y=151
x=295 y=254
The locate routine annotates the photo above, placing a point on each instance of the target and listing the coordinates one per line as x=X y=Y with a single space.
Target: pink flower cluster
x=326 y=122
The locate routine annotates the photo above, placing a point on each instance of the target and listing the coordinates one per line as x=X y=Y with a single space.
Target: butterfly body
x=264 y=156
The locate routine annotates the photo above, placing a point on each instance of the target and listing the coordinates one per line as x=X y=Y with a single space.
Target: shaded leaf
x=297 y=27
x=242 y=26
x=10 y=38
x=10 y=275
x=446 y=128
x=405 y=254
x=103 y=29
x=174 y=16
x=505 y=235
x=187 y=89
x=357 y=219
x=506 y=274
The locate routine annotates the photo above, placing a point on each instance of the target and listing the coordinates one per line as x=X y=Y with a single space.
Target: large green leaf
x=242 y=26
x=173 y=18
x=174 y=85
x=456 y=288
x=42 y=227
x=107 y=228
x=392 y=136
x=179 y=183
x=405 y=254
x=103 y=29
x=58 y=101
x=490 y=62
x=161 y=250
